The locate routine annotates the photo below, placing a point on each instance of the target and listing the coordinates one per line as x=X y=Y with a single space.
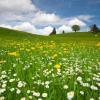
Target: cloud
x=64 y=28
x=26 y=26
x=12 y=10
x=85 y=17
x=16 y=6
x=76 y=21
x=29 y=16
x=47 y=18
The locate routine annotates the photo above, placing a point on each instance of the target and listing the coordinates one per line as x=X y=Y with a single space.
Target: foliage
x=75 y=28
x=53 y=31
x=94 y=29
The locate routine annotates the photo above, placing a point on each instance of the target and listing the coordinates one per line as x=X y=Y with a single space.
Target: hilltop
x=67 y=37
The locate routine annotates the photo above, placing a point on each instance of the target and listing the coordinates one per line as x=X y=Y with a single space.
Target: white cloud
x=29 y=15
x=64 y=28
x=45 y=19
x=76 y=21
x=26 y=26
x=11 y=10
x=16 y=6
x=42 y=17
x=85 y=17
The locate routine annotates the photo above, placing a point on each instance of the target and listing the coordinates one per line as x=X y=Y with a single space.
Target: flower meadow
x=51 y=68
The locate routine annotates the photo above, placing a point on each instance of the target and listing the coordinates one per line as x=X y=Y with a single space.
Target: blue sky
x=69 y=8
x=40 y=16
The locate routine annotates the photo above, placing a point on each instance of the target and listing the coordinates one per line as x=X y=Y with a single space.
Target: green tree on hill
x=75 y=28
x=63 y=32
x=94 y=29
x=53 y=32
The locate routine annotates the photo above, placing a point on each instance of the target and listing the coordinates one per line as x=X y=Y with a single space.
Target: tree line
x=93 y=28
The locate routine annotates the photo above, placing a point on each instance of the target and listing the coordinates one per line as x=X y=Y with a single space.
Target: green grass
x=54 y=65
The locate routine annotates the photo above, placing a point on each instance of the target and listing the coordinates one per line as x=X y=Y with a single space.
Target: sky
x=41 y=16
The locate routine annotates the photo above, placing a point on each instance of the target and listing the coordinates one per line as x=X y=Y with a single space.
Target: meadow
x=57 y=67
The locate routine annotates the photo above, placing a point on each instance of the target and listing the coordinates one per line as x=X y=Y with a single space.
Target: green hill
x=78 y=36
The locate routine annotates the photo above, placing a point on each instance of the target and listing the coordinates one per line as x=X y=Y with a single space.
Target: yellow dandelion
x=65 y=49
x=98 y=44
x=2 y=61
x=57 y=66
x=33 y=48
x=13 y=54
x=54 y=56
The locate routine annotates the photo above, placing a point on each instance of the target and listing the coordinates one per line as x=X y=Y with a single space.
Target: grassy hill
x=14 y=34
x=57 y=67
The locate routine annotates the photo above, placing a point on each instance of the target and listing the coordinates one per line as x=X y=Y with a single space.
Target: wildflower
x=85 y=84
x=57 y=66
x=81 y=92
x=28 y=91
x=37 y=94
x=13 y=54
x=30 y=97
x=91 y=98
x=47 y=86
x=15 y=74
x=44 y=95
x=39 y=98
x=98 y=84
x=11 y=80
x=54 y=56
x=12 y=89
x=47 y=82
x=2 y=91
x=18 y=91
x=98 y=44
x=3 y=85
x=2 y=98
x=79 y=78
x=70 y=95
x=2 y=61
x=23 y=98
x=65 y=87
x=20 y=84
x=93 y=87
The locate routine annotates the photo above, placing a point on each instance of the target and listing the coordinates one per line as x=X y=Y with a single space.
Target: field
x=59 y=67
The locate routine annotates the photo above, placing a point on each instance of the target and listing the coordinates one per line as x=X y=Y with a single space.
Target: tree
x=94 y=29
x=53 y=31
x=75 y=28
x=63 y=32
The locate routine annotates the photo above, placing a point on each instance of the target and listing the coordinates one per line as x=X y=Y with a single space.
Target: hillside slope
x=67 y=37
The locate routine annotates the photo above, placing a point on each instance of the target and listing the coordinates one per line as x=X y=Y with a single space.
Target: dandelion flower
x=57 y=66
x=13 y=54
x=2 y=61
